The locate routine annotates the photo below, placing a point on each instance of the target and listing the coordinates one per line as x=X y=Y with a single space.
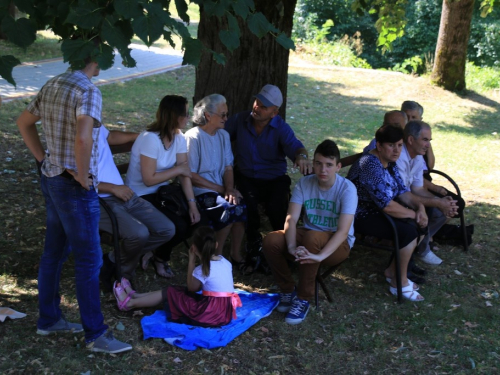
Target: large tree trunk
x=451 y=48
x=252 y=65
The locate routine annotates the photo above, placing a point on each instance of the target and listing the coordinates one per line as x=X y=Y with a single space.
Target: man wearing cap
x=262 y=141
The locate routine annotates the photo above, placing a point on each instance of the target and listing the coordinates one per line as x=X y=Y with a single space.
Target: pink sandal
x=117 y=290
x=126 y=285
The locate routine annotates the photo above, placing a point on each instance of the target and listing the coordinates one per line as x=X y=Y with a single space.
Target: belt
x=235 y=298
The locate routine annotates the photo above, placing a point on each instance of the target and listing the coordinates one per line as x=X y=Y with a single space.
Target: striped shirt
x=60 y=101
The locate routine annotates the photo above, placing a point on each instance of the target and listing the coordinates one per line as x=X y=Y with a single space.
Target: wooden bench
x=393 y=246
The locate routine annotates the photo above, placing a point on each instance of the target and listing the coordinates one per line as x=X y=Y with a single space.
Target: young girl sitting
x=214 y=307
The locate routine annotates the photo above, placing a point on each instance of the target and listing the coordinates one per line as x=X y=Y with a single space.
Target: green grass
x=364 y=331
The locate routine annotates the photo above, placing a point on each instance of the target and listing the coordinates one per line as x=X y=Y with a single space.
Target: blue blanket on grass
x=255 y=307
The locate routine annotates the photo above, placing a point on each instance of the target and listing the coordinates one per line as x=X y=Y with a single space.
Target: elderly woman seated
x=380 y=188
x=211 y=162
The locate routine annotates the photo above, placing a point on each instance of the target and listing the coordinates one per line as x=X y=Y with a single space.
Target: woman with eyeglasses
x=211 y=162
x=159 y=155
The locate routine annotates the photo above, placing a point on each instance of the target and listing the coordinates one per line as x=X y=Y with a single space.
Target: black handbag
x=171 y=198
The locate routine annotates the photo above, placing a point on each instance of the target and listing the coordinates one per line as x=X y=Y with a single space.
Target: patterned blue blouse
x=376 y=185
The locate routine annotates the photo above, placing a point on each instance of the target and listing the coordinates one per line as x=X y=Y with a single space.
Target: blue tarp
x=255 y=307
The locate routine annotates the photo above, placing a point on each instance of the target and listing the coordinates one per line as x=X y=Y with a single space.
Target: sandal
x=415 y=285
x=127 y=286
x=408 y=293
x=163 y=269
x=146 y=259
x=119 y=291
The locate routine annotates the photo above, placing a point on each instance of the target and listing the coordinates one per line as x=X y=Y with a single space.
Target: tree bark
x=253 y=64
x=451 y=48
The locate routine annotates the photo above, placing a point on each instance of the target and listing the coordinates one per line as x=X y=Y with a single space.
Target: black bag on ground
x=171 y=198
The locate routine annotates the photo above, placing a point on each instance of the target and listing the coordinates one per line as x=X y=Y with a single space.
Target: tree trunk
x=451 y=48
x=253 y=64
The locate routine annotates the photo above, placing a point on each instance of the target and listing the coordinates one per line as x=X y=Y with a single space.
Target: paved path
x=32 y=76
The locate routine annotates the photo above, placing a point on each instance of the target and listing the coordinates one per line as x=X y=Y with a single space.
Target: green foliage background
x=419 y=37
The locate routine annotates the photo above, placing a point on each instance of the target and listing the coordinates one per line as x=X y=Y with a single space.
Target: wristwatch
x=303 y=155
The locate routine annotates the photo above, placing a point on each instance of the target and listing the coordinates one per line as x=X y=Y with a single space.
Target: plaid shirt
x=60 y=101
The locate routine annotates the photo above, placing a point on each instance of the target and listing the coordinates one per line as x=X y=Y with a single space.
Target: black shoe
x=417 y=270
x=107 y=273
x=416 y=279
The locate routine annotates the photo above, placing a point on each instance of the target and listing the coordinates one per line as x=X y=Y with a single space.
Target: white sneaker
x=430 y=258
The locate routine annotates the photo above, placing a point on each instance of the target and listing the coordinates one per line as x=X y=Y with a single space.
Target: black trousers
x=273 y=194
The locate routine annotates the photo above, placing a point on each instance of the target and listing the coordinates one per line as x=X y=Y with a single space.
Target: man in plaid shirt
x=69 y=107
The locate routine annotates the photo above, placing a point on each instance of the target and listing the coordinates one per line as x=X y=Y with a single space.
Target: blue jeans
x=72 y=226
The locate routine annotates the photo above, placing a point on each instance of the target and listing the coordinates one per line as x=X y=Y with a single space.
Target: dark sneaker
x=62 y=326
x=298 y=311
x=106 y=343
x=286 y=301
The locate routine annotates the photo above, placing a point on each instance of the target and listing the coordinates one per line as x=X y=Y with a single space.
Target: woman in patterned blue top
x=380 y=188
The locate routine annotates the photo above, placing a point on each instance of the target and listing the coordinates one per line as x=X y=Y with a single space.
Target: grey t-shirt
x=208 y=155
x=322 y=208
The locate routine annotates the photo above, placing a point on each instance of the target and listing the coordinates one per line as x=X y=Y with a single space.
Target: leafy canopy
x=96 y=28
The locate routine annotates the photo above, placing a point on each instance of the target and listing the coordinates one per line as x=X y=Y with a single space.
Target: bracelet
x=304 y=156
x=191 y=200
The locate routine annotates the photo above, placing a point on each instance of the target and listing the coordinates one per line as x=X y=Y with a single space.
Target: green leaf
x=128 y=8
x=182 y=10
x=231 y=37
x=250 y=4
x=212 y=8
x=167 y=35
x=7 y=63
x=219 y=58
x=117 y=34
x=241 y=8
x=258 y=24
x=192 y=51
x=21 y=32
x=127 y=60
x=86 y=15
x=149 y=27
x=285 y=41
x=76 y=51
x=106 y=58
x=25 y=6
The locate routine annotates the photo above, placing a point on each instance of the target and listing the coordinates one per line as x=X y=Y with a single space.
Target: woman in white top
x=159 y=155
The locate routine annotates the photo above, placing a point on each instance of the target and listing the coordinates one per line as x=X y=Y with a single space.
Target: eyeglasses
x=221 y=115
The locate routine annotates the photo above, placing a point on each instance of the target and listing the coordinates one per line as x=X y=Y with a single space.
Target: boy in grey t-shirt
x=329 y=202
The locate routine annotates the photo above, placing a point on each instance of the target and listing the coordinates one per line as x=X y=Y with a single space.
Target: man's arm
x=83 y=149
x=302 y=161
x=292 y=218
x=27 y=127
x=119 y=138
x=122 y=192
x=435 y=188
x=431 y=159
x=446 y=205
x=345 y=222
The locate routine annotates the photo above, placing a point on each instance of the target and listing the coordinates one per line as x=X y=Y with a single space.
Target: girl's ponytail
x=204 y=240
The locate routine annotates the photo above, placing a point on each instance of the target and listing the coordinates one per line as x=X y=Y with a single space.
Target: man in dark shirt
x=262 y=140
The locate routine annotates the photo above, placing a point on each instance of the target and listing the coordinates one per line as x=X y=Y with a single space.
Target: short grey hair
x=410 y=105
x=414 y=128
x=207 y=104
